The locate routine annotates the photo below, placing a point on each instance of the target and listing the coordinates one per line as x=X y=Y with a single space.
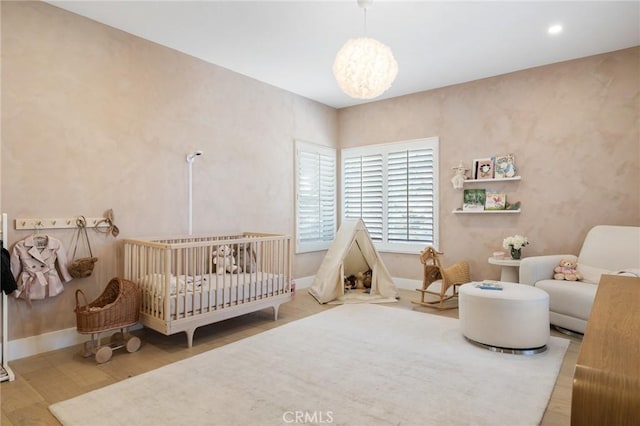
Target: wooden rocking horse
x=450 y=277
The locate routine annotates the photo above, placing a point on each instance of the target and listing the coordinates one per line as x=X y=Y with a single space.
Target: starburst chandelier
x=364 y=67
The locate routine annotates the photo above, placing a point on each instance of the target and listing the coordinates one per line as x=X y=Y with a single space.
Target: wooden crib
x=186 y=283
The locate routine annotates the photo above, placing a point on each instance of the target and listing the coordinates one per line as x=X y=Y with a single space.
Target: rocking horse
x=450 y=277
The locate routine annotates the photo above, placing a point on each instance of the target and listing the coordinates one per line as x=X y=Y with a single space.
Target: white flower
x=516 y=242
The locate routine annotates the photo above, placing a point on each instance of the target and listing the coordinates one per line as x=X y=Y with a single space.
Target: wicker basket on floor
x=118 y=306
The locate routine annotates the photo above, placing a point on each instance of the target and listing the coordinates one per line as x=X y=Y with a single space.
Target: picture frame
x=495 y=200
x=473 y=200
x=483 y=168
x=504 y=166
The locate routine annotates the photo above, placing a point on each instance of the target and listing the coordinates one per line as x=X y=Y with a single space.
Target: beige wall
x=94 y=118
x=573 y=128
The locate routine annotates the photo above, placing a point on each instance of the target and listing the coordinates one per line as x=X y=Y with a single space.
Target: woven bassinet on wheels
x=118 y=306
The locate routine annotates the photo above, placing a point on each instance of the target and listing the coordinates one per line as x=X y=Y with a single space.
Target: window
x=315 y=197
x=394 y=189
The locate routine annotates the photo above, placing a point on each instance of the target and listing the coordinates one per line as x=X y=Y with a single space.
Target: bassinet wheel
x=117 y=337
x=104 y=354
x=87 y=349
x=133 y=344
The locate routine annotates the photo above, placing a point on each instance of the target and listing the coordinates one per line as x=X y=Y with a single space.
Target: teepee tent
x=352 y=251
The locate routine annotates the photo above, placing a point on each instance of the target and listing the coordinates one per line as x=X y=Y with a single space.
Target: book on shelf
x=504 y=166
x=473 y=200
x=495 y=200
x=483 y=168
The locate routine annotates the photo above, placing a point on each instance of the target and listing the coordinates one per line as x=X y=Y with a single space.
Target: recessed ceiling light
x=555 y=29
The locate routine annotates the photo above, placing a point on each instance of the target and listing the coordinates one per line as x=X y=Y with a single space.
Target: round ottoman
x=514 y=319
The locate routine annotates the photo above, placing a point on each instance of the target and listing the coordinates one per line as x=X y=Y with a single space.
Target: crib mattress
x=207 y=293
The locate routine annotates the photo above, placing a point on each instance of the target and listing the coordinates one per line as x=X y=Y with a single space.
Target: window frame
x=309 y=147
x=431 y=143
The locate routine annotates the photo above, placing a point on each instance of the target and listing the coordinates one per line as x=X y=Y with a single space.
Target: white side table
x=510 y=268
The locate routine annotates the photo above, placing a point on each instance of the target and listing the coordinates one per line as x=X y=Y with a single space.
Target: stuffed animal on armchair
x=567 y=271
x=224 y=261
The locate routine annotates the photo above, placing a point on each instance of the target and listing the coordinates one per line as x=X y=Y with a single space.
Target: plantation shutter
x=315 y=197
x=410 y=196
x=364 y=192
x=394 y=189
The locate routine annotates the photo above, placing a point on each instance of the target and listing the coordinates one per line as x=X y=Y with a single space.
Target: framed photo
x=495 y=200
x=483 y=168
x=473 y=200
x=504 y=166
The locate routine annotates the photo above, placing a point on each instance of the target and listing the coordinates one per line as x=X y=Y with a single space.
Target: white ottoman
x=514 y=319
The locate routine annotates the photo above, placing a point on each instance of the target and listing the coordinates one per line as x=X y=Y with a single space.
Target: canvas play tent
x=352 y=251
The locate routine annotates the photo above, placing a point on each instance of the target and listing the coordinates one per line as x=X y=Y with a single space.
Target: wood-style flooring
x=44 y=379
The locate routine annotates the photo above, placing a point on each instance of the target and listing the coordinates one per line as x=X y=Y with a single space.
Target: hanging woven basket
x=82 y=267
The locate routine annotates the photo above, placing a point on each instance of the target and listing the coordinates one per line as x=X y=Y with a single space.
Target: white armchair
x=606 y=250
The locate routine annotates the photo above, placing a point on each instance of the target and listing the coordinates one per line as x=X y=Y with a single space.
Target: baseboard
x=304 y=282
x=34 y=345
x=407 y=284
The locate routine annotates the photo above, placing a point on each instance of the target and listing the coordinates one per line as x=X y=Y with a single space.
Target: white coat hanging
x=33 y=263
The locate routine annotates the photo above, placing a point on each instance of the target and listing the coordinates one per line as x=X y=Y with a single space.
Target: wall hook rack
x=58 y=223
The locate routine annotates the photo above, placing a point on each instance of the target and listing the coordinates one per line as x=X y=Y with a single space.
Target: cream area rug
x=350 y=365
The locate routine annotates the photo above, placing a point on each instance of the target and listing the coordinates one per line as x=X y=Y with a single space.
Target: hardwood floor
x=58 y=375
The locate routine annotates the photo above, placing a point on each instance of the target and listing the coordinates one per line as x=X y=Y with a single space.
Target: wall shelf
x=487 y=212
x=488 y=182
x=472 y=181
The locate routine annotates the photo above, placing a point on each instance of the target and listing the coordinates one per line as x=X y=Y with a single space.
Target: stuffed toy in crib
x=224 y=261
x=246 y=258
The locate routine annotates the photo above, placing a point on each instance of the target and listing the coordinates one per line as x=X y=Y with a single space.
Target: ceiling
x=292 y=44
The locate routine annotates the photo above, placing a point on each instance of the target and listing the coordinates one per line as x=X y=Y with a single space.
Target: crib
x=184 y=286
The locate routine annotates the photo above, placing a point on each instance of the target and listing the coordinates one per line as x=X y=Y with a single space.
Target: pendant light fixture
x=364 y=67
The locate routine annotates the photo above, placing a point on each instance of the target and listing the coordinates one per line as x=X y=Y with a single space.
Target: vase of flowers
x=514 y=244
x=516 y=253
